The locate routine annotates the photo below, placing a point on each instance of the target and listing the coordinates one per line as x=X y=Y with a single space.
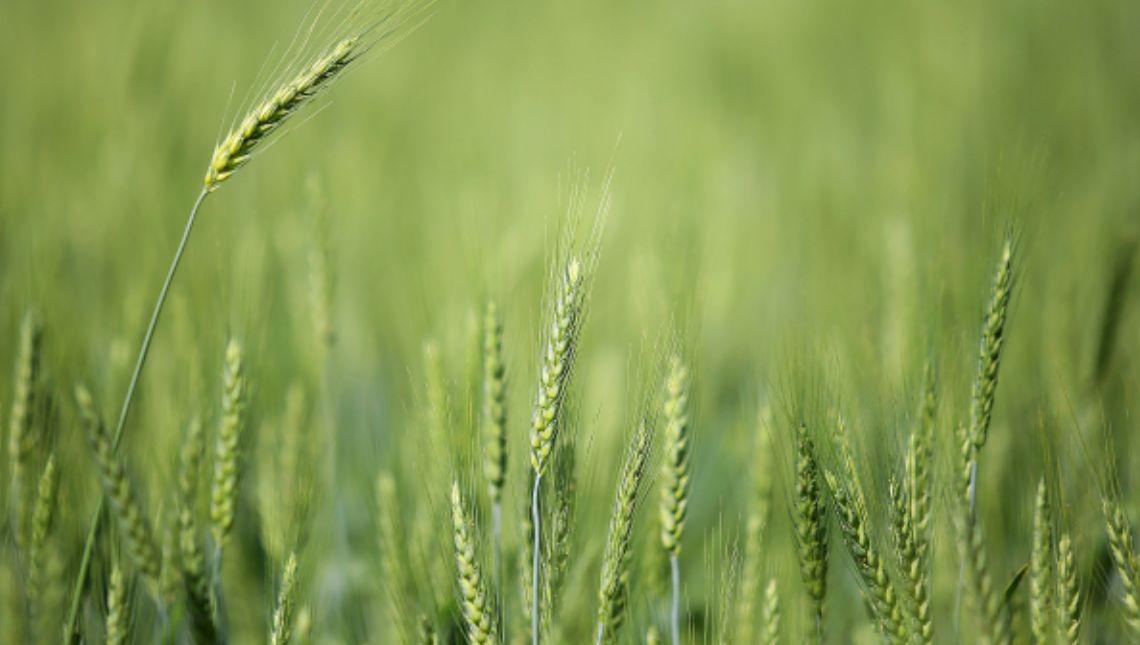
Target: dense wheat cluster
x=840 y=345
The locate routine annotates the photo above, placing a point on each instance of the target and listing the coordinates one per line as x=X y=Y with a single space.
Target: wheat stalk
x=612 y=595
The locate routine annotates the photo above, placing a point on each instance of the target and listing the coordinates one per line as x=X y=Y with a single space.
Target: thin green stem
x=534 y=578
x=675 y=610
x=71 y=629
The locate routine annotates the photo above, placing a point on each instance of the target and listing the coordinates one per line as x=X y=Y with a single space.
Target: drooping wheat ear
x=193 y=560
x=474 y=599
x=809 y=518
x=43 y=514
x=877 y=588
x=286 y=600
x=1068 y=592
x=1122 y=548
x=675 y=475
x=494 y=405
x=263 y=120
x=971 y=549
x=118 y=608
x=227 y=448
x=913 y=583
x=1041 y=581
x=989 y=352
x=771 y=614
x=557 y=364
x=614 y=588
x=129 y=513
x=21 y=440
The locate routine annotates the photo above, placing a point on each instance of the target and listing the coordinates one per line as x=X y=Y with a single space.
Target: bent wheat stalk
x=235 y=150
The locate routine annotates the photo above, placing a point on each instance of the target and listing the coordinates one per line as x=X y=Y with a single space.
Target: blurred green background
x=804 y=192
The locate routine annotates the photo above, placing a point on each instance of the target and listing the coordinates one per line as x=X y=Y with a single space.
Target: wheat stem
x=70 y=628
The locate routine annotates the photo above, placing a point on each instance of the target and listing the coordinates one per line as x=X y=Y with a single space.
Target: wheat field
x=597 y=322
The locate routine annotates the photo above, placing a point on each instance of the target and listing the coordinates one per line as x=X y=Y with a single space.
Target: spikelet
x=263 y=120
x=1041 y=581
x=1068 y=593
x=286 y=599
x=557 y=364
x=227 y=449
x=809 y=517
x=132 y=522
x=494 y=404
x=21 y=441
x=675 y=475
x=192 y=559
x=989 y=352
x=771 y=614
x=614 y=581
x=474 y=600
x=118 y=608
x=1123 y=551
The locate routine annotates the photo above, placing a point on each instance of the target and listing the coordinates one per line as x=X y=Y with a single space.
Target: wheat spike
x=118 y=608
x=227 y=450
x=675 y=475
x=1123 y=551
x=494 y=404
x=614 y=582
x=1068 y=592
x=771 y=614
x=1041 y=581
x=263 y=120
x=286 y=599
x=21 y=440
x=475 y=601
x=809 y=517
x=132 y=521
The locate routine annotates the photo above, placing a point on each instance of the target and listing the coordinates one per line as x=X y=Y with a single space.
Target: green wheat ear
x=21 y=441
x=118 y=608
x=286 y=600
x=557 y=364
x=474 y=600
x=1068 y=592
x=809 y=517
x=132 y=520
x=494 y=404
x=227 y=451
x=989 y=351
x=1041 y=579
x=675 y=475
x=1123 y=550
x=613 y=594
x=263 y=120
